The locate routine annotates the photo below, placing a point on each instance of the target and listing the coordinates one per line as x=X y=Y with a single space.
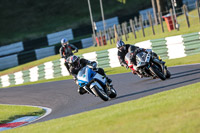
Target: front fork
x=108 y=88
x=161 y=63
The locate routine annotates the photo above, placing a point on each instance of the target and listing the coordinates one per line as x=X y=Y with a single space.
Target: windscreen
x=141 y=57
x=82 y=72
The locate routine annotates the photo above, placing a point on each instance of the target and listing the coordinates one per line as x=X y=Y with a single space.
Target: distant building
x=144 y=12
x=109 y=23
x=191 y=4
x=189 y=1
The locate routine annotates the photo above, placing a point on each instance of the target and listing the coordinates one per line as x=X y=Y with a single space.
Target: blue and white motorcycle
x=95 y=84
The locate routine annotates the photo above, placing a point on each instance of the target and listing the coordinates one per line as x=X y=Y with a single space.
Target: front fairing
x=141 y=59
x=127 y=59
x=85 y=75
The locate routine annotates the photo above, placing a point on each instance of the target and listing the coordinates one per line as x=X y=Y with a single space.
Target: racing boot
x=154 y=77
x=108 y=80
x=81 y=91
x=134 y=72
x=139 y=74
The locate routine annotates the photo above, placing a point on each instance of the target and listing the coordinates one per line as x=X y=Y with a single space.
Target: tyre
x=167 y=73
x=157 y=72
x=100 y=93
x=113 y=93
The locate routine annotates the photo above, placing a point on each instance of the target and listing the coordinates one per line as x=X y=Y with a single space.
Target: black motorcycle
x=148 y=65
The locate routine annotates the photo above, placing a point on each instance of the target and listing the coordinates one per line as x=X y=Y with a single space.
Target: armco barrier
x=8 y=61
x=35 y=43
x=87 y=42
x=170 y=47
x=11 y=49
x=26 y=57
x=55 y=38
x=109 y=23
x=30 y=50
x=45 y=52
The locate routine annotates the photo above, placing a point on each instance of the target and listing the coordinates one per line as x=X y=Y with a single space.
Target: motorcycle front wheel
x=157 y=72
x=167 y=73
x=100 y=93
x=113 y=93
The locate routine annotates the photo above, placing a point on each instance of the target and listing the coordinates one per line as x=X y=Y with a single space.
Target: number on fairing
x=147 y=58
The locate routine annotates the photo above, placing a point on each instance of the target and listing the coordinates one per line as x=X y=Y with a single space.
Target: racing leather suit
x=133 y=52
x=121 y=55
x=66 y=51
x=74 y=69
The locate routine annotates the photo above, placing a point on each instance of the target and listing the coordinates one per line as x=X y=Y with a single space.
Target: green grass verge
x=11 y=112
x=174 y=111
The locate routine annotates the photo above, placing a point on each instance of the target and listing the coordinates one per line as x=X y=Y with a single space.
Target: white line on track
x=48 y=111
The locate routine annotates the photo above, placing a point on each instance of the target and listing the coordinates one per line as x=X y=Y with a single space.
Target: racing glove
x=127 y=67
x=75 y=80
x=76 y=50
x=94 y=65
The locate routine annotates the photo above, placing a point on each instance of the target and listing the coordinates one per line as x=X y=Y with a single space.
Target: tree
x=164 y=5
x=161 y=5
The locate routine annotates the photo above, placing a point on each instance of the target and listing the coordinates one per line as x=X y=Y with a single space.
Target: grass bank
x=174 y=111
x=12 y=112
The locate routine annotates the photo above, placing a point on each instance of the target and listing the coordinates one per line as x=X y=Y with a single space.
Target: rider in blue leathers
x=76 y=63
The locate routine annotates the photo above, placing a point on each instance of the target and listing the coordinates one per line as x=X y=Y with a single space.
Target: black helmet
x=132 y=49
x=73 y=60
x=120 y=45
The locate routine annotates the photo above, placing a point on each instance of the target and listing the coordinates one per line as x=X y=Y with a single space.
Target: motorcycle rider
x=134 y=51
x=66 y=51
x=123 y=49
x=77 y=63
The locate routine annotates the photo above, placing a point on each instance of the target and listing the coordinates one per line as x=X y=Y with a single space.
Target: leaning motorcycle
x=95 y=84
x=149 y=66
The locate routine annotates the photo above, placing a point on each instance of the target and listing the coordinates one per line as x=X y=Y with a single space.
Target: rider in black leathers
x=123 y=49
x=77 y=63
x=66 y=51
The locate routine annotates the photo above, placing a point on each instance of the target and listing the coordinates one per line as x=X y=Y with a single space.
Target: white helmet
x=120 y=43
x=64 y=40
x=121 y=46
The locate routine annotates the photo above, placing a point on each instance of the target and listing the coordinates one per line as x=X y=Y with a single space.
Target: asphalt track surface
x=64 y=100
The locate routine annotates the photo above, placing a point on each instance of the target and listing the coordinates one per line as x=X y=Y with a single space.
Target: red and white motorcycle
x=147 y=66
